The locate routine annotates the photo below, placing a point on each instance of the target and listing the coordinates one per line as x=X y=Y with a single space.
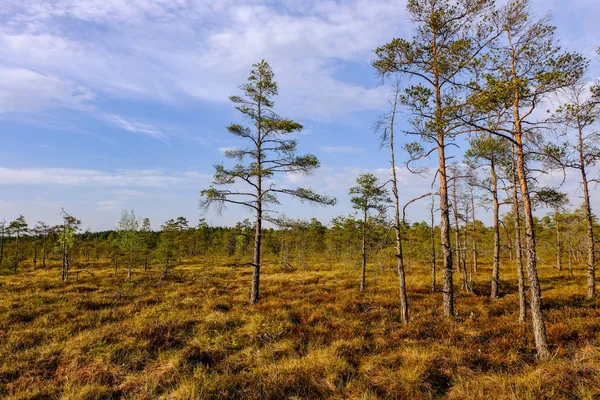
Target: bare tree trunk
x=129 y=265
x=465 y=245
x=44 y=251
x=255 y=289
x=254 y=296
x=2 y=244
x=559 y=245
x=474 y=236
x=363 y=278
x=591 y=259
x=459 y=252
x=65 y=266
x=17 y=255
x=34 y=255
x=496 y=261
x=433 y=253
x=535 y=294
x=518 y=243
x=448 y=301
x=397 y=227
x=591 y=256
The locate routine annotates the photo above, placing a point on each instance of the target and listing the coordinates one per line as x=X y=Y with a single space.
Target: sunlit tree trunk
x=397 y=227
x=518 y=243
x=433 y=252
x=535 y=294
x=496 y=260
x=591 y=252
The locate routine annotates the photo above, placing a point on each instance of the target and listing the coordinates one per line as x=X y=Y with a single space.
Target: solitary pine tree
x=369 y=195
x=270 y=151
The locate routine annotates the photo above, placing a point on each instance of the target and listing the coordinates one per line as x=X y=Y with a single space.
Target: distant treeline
x=294 y=243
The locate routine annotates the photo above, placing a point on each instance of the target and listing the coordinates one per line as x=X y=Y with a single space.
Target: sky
x=114 y=104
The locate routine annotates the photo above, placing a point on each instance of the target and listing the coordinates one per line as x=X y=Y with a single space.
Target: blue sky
x=112 y=104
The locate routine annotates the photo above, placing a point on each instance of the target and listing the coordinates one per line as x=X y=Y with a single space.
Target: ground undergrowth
x=313 y=335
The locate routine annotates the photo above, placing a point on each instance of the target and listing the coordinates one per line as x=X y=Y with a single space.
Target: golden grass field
x=313 y=335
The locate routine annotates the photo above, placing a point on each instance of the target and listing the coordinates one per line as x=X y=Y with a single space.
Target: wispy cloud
x=26 y=90
x=89 y=177
x=173 y=51
x=107 y=205
x=223 y=150
x=135 y=126
x=340 y=149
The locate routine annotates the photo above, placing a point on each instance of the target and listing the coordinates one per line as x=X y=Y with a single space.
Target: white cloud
x=169 y=50
x=77 y=177
x=107 y=205
x=26 y=90
x=135 y=126
x=340 y=179
x=127 y=193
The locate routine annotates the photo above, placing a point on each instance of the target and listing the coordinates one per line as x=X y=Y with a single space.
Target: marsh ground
x=313 y=335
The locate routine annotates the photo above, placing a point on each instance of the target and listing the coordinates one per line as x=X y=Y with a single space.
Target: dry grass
x=313 y=335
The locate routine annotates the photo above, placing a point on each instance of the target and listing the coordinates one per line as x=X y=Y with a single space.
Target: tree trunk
x=518 y=244
x=474 y=236
x=17 y=255
x=537 y=317
x=465 y=252
x=399 y=254
x=255 y=289
x=433 y=253
x=363 y=279
x=44 y=252
x=254 y=296
x=559 y=249
x=448 y=301
x=2 y=245
x=34 y=255
x=68 y=266
x=65 y=266
x=591 y=256
x=459 y=252
x=496 y=261
x=129 y=265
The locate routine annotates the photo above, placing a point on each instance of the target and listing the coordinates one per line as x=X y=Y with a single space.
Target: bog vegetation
x=369 y=305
